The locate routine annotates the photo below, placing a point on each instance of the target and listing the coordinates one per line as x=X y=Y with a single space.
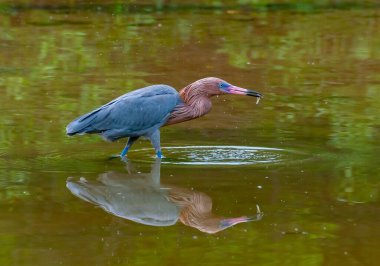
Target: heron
x=142 y=112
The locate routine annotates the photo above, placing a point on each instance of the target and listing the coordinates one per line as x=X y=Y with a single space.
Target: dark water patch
x=58 y=23
x=56 y=162
x=11 y=70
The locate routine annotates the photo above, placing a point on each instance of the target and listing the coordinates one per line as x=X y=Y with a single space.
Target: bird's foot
x=160 y=155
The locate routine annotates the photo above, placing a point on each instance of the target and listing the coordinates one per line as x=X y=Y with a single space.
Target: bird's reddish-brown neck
x=191 y=95
x=196 y=103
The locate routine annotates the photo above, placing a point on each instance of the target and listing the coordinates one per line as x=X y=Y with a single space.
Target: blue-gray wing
x=136 y=113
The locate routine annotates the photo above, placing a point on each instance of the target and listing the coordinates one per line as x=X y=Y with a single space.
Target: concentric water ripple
x=226 y=155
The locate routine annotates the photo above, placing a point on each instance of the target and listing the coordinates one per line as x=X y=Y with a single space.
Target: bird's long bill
x=237 y=90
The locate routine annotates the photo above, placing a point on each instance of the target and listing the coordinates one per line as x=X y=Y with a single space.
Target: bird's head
x=215 y=86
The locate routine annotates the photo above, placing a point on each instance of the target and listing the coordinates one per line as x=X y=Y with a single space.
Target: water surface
x=307 y=154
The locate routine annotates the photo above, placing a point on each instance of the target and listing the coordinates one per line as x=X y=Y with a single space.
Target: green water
x=308 y=154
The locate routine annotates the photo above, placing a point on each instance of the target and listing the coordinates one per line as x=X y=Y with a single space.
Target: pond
x=293 y=180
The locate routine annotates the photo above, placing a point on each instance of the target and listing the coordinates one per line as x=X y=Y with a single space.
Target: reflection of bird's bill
x=233 y=221
x=244 y=219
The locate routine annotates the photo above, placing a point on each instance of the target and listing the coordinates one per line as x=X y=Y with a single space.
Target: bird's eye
x=223 y=85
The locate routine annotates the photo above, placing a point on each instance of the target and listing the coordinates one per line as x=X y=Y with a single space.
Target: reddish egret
x=142 y=112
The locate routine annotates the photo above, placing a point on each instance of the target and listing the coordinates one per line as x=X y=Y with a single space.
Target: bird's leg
x=130 y=142
x=130 y=167
x=155 y=173
x=155 y=140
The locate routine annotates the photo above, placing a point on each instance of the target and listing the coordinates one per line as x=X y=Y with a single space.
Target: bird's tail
x=74 y=128
x=82 y=125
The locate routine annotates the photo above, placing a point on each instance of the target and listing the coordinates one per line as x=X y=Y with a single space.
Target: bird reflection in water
x=141 y=198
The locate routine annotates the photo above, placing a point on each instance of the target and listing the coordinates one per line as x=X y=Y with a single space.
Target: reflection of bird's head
x=196 y=211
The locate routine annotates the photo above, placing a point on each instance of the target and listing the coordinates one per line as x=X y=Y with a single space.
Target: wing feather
x=133 y=114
